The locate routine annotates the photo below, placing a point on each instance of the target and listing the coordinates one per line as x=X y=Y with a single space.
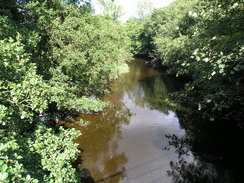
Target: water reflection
x=138 y=138
x=146 y=87
x=197 y=171
x=124 y=142
x=99 y=142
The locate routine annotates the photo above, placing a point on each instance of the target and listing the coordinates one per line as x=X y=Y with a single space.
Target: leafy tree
x=192 y=39
x=216 y=62
x=42 y=156
x=53 y=54
x=110 y=9
x=159 y=27
x=134 y=29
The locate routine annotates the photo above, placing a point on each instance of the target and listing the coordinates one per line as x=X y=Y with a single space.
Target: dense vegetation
x=54 y=56
x=203 y=41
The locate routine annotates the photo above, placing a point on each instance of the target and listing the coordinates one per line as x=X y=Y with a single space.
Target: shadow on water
x=217 y=150
x=183 y=171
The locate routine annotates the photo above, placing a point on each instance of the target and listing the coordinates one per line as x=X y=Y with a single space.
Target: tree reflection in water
x=212 y=148
x=197 y=171
x=97 y=140
x=146 y=87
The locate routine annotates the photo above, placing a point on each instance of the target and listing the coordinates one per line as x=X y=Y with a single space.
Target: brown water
x=124 y=143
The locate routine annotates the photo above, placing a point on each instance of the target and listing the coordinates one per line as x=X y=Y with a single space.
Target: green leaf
x=3 y=168
x=3 y=176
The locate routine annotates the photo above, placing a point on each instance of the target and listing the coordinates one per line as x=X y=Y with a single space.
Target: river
x=129 y=142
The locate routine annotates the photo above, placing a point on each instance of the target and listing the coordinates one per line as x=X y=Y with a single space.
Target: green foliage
x=202 y=40
x=87 y=50
x=111 y=10
x=23 y=93
x=216 y=62
x=134 y=29
x=53 y=54
x=42 y=156
x=159 y=28
x=169 y=35
x=7 y=27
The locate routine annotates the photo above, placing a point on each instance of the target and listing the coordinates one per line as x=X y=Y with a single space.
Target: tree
x=190 y=38
x=110 y=9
